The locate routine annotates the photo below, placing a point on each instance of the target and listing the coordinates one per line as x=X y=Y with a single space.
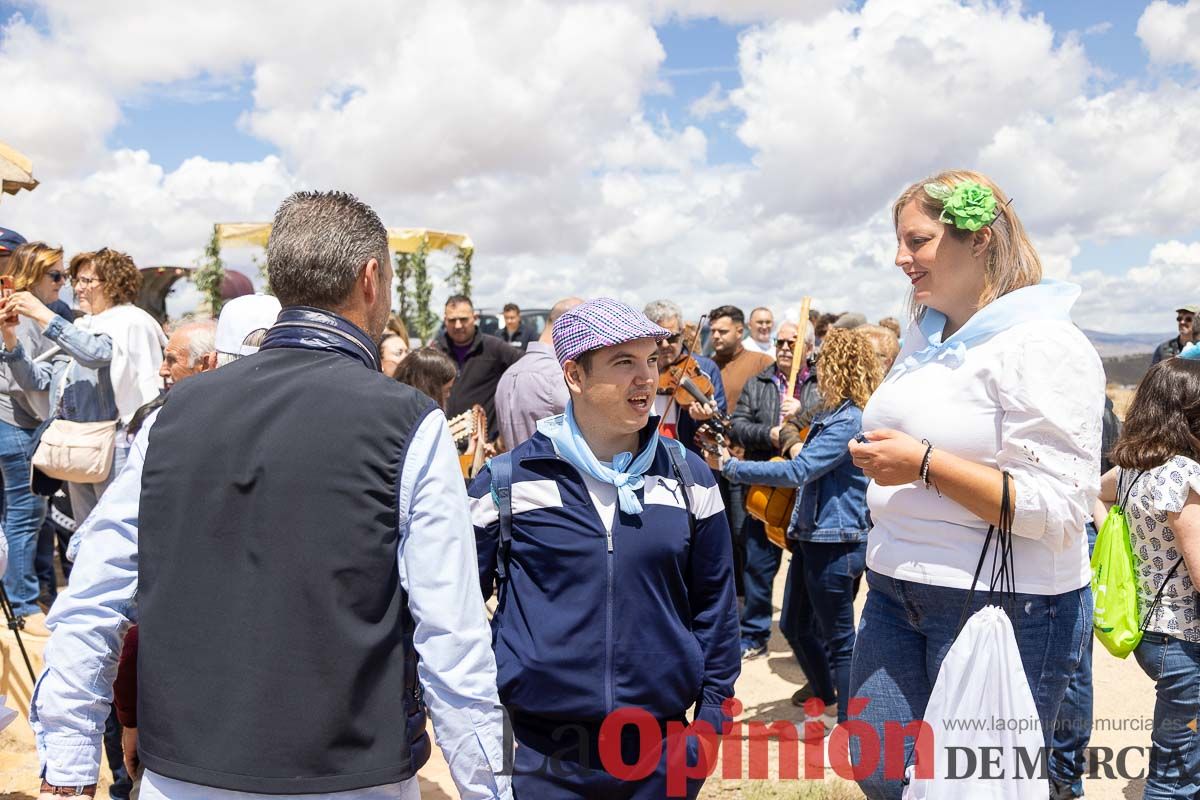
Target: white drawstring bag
x=981 y=699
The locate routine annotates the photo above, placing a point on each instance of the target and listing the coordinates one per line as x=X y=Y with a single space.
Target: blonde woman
x=993 y=378
x=829 y=522
x=108 y=367
x=36 y=268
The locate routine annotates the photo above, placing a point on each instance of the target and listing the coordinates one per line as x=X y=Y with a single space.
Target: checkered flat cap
x=602 y=322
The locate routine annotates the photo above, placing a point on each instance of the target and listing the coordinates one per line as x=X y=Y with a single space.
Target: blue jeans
x=907 y=629
x=1174 y=666
x=762 y=562
x=23 y=514
x=1073 y=730
x=818 y=615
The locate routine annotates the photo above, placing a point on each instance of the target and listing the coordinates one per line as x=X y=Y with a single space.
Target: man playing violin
x=680 y=420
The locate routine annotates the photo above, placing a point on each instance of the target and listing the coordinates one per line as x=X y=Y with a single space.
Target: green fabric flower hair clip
x=968 y=206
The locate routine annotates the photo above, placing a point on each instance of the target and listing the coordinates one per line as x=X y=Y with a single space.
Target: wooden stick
x=798 y=347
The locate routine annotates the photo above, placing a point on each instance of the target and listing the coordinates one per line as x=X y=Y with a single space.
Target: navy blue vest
x=275 y=641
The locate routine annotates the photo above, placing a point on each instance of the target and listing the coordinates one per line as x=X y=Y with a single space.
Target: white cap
x=241 y=317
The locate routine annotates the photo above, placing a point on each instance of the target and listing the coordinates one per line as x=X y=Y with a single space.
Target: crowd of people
x=346 y=531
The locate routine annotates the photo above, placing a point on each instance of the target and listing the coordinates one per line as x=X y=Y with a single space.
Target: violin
x=685 y=382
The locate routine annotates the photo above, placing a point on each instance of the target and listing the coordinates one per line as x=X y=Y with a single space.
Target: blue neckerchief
x=1048 y=300
x=1191 y=352
x=626 y=471
x=311 y=328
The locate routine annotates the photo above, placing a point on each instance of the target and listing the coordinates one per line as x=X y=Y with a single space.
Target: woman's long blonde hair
x=29 y=262
x=1012 y=261
x=847 y=368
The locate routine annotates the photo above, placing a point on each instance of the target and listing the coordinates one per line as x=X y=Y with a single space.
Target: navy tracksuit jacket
x=588 y=622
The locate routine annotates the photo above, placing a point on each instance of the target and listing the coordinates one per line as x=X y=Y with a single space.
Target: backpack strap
x=1124 y=501
x=683 y=473
x=501 y=469
x=1158 y=595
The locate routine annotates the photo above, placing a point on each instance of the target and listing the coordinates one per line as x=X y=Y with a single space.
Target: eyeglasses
x=86 y=281
x=1184 y=318
x=782 y=344
x=56 y=276
x=673 y=338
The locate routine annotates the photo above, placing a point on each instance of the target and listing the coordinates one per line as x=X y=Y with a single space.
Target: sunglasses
x=673 y=338
x=1184 y=318
x=780 y=344
x=56 y=276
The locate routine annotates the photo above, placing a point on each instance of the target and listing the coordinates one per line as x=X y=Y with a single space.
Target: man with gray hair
x=283 y=599
x=191 y=348
x=533 y=388
x=674 y=423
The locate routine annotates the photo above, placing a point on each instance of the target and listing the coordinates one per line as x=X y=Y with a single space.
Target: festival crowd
x=519 y=535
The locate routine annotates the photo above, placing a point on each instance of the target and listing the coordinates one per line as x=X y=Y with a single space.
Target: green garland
x=210 y=273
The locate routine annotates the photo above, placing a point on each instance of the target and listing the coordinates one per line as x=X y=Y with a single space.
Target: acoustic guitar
x=772 y=505
x=469 y=431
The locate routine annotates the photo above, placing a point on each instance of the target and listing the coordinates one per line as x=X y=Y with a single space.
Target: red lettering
x=649 y=746
x=678 y=771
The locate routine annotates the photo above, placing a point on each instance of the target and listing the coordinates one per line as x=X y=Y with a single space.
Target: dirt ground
x=1124 y=705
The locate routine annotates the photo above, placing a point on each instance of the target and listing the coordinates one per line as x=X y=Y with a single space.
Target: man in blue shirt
x=305 y=572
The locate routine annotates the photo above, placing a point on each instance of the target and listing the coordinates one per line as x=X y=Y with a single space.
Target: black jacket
x=486 y=361
x=520 y=338
x=758 y=411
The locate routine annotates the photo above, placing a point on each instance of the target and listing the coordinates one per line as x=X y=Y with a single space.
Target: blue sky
x=580 y=202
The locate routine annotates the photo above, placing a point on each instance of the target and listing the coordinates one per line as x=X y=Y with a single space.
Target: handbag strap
x=1003 y=578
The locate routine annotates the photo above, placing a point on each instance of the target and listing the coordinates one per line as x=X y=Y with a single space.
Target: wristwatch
x=68 y=791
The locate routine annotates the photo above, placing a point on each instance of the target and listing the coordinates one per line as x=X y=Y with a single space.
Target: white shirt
x=755 y=346
x=437 y=566
x=1029 y=401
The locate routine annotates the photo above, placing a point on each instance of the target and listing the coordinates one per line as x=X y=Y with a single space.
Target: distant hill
x=1126 y=370
x=1126 y=356
x=1123 y=344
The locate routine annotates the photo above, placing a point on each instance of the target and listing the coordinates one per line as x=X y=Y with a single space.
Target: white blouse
x=1028 y=400
x=1153 y=496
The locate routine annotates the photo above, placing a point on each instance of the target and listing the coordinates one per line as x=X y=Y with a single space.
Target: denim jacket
x=831 y=501
x=77 y=378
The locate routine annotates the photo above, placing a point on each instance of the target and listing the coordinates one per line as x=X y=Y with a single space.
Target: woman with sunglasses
x=35 y=268
x=109 y=360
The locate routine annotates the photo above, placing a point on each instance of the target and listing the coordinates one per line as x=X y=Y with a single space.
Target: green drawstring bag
x=1114 y=586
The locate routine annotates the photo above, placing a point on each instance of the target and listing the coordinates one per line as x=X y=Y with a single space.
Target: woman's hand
x=25 y=304
x=890 y=458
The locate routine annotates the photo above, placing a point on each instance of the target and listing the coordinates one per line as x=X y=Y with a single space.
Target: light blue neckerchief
x=1048 y=300
x=626 y=471
x=1191 y=352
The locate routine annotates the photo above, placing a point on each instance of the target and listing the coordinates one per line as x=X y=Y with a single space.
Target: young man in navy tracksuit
x=611 y=555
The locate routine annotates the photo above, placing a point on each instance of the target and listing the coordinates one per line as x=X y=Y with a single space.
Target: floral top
x=1152 y=496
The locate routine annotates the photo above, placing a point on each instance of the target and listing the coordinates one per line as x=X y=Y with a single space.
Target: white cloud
x=1171 y=32
x=846 y=110
x=525 y=126
x=714 y=101
x=1146 y=296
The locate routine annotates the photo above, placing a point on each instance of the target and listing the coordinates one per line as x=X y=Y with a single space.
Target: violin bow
x=798 y=347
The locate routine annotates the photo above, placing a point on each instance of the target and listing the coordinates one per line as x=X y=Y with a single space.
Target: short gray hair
x=319 y=243
x=659 y=311
x=202 y=340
